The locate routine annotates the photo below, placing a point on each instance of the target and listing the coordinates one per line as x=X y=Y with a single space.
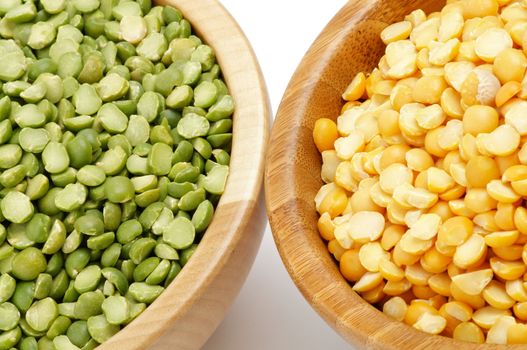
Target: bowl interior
x=349 y=44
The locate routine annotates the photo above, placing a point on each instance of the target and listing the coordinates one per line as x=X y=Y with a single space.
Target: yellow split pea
x=426 y=174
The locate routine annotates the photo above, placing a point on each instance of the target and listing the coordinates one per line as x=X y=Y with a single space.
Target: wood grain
x=189 y=311
x=349 y=44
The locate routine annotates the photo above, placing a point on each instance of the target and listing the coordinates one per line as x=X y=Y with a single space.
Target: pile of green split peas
x=115 y=133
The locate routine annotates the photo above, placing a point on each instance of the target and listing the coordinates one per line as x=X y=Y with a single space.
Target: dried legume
x=425 y=174
x=115 y=133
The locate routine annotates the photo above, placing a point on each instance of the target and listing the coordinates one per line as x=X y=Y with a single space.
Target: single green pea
x=150 y=105
x=180 y=233
x=179 y=189
x=64 y=178
x=205 y=56
x=6 y=130
x=29 y=343
x=111 y=216
x=10 y=338
x=100 y=329
x=12 y=177
x=17 y=207
x=141 y=248
x=205 y=94
x=184 y=172
x=31 y=163
x=112 y=119
x=10 y=316
x=17 y=237
x=62 y=342
x=160 y=159
x=113 y=161
x=72 y=242
x=91 y=175
x=138 y=130
x=33 y=140
x=53 y=6
x=41 y=314
x=113 y=87
x=175 y=268
x=202 y=217
x=77 y=261
x=116 y=309
x=55 y=263
x=187 y=253
x=145 y=293
x=88 y=305
x=7 y=287
x=14 y=70
x=111 y=255
x=55 y=158
x=89 y=225
x=78 y=333
x=101 y=242
x=86 y=100
x=86 y=6
x=71 y=197
x=221 y=109
x=183 y=152
x=161 y=134
x=93 y=67
x=46 y=203
x=88 y=279
x=119 y=189
x=37 y=229
x=10 y=155
x=22 y=13
x=23 y=295
x=144 y=183
x=180 y=97
x=171 y=203
x=42 y=35
x=58 y=327
x=67 y=309
x=217 y=179
x=43 y=286
x=203 y=147
x=221 y=156
x=165 y=217
x=149 y=82
x=69 y=85
x=79 y=151
x=56 y=238
x=220 y=140
x=167 y=80
x=137 y=165
x=193 y=125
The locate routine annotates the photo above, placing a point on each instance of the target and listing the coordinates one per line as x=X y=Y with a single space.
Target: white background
x=270 y=313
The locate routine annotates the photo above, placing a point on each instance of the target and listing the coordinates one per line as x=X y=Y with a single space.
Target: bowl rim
x=328 y=292
x=239 y=217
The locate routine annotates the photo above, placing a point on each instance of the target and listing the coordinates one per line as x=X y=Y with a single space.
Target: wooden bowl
x=189 y=311
x=349 y=44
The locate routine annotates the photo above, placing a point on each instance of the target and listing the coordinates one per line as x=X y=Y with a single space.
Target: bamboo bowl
x=349 y=44
x=191 y=308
